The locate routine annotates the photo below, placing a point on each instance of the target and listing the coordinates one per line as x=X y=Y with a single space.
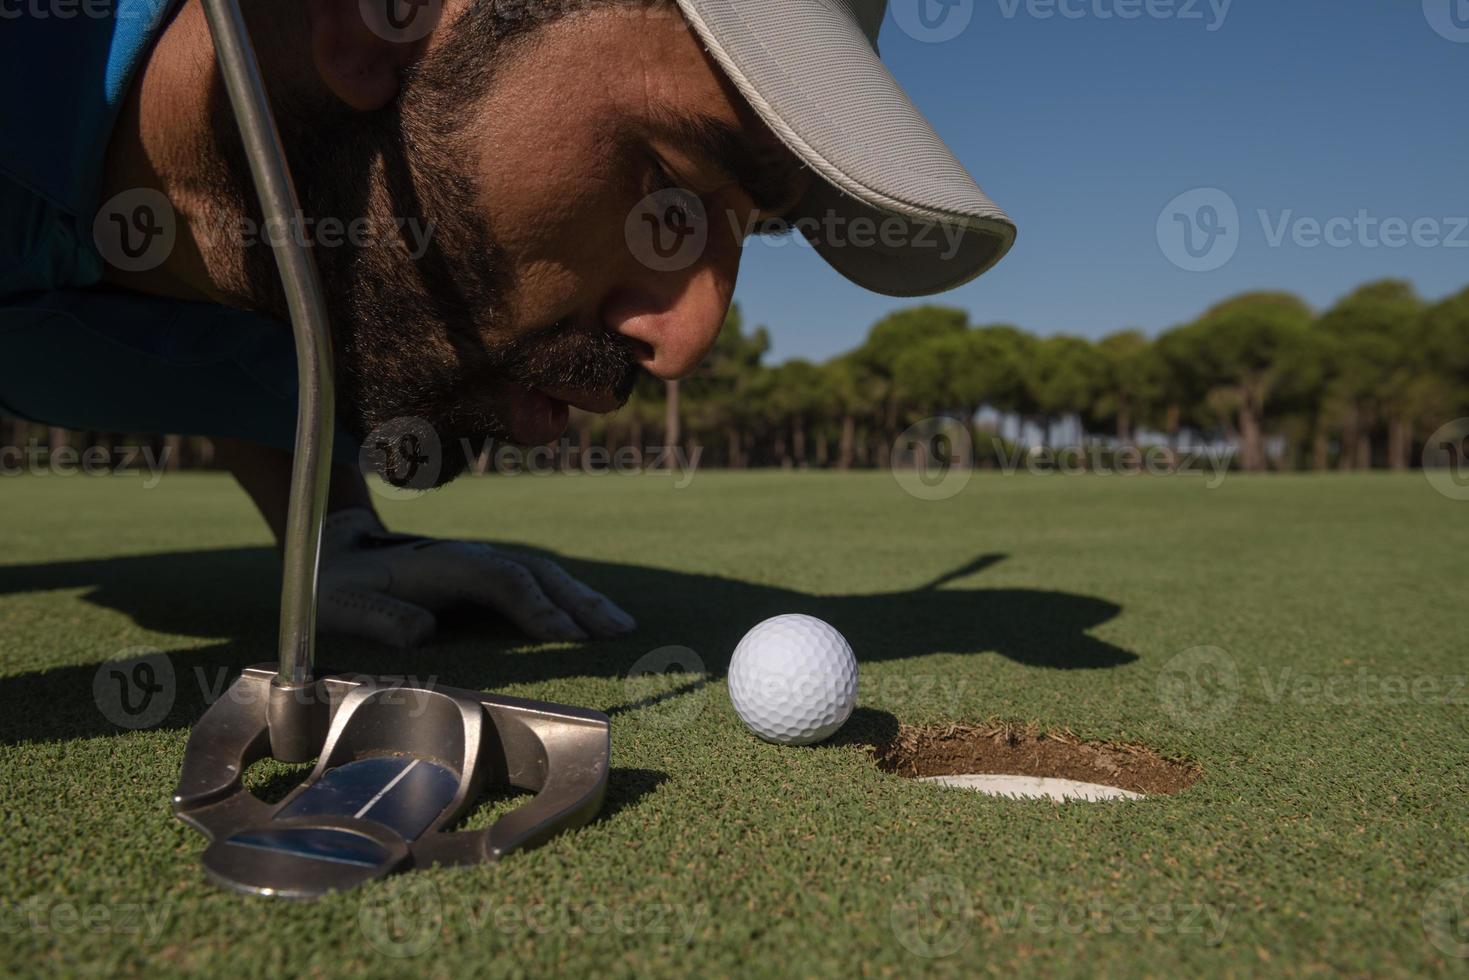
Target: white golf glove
x=387 y=587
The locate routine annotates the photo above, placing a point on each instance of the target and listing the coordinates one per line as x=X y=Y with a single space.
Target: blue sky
x=1086 y=128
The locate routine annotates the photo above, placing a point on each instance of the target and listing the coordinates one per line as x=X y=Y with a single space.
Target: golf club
x=397 y=765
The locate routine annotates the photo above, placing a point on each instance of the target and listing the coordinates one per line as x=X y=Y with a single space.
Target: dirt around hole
x=1023 y=750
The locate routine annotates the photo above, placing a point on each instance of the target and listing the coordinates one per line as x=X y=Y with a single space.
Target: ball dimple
x=793 y=680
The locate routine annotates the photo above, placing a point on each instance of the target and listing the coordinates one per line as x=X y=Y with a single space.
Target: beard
x=417 y=289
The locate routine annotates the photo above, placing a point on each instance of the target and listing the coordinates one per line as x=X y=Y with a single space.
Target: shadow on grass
x=867 y=726
x=231 y=597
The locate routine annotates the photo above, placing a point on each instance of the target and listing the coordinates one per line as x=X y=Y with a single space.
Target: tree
x=1184 y=387
x=1446 y=336
x=1130 y=380
x=846 y=393
x=1301 y=406
x=896 y=334
x=1373 y=356
x=991 y=370
x=1443 y=333
x=797 y=398
x=924 y=374
x=1245 y=348
x=719 y=391
x=1061 y=377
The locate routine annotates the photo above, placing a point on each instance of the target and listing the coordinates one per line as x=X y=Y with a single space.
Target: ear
x=360 y=46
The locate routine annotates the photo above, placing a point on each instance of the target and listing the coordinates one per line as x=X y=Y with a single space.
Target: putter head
x=398 y=766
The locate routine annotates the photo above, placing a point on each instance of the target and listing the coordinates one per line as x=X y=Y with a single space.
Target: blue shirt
x=75 y=353
x=64 y=79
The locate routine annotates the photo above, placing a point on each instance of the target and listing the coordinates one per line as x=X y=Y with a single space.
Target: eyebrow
x=766 y=171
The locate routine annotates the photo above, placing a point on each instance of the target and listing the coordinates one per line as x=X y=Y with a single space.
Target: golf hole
x=1023 y=762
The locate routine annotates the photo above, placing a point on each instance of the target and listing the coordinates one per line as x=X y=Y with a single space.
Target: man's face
x=537 y=288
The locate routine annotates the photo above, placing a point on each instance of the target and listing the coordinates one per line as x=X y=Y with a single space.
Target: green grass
x=1326 y=821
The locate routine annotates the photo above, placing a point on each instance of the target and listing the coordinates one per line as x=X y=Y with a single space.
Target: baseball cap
x=811 y=71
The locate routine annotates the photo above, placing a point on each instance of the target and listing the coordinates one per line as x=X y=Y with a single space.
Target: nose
x=674 y=318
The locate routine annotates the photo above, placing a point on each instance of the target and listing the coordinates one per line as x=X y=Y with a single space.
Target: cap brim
x=894 y=210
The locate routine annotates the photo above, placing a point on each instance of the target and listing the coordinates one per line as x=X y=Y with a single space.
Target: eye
x=659 y=177
x=677 y=206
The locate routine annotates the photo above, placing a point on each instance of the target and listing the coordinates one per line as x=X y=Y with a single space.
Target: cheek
x=558 y=214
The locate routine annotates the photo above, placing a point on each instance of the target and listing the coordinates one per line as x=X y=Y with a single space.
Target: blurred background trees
x=1360 y=385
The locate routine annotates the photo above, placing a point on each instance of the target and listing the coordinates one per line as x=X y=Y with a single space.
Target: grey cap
x=810 y=69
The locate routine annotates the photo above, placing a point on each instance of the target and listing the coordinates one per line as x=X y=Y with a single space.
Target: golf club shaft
x=316 y=409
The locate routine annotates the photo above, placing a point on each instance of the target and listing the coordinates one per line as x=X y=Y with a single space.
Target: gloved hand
x=387 y=587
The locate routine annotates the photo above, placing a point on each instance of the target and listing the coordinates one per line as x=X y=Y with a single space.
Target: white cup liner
x=1033 y=787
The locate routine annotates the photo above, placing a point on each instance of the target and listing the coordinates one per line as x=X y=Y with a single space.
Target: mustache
x=567 y=356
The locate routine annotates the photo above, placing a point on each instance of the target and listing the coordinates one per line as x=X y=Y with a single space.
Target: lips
x=536 y=418
x=540 y=417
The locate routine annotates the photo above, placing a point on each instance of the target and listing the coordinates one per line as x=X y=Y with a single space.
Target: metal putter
x=397 y=765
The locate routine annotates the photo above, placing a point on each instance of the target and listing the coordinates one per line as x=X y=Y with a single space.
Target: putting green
x=1299 y=638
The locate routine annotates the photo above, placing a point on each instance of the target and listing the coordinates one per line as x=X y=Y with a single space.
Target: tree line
x=1358 y=386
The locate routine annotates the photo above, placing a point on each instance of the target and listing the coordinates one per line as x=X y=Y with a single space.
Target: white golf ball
x=793 y=680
